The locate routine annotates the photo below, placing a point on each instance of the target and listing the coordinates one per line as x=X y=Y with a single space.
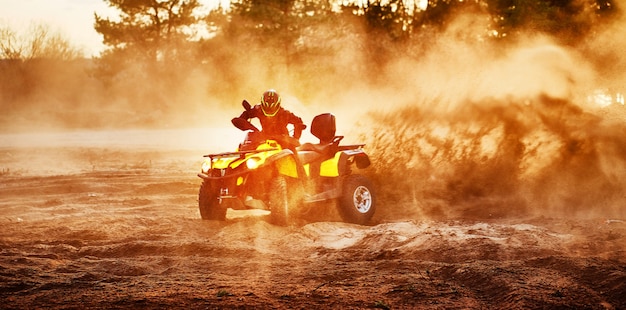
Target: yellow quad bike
x=263 y=174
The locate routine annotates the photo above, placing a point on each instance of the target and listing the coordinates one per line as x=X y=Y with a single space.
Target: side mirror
x=246 y=105
x=243 y=124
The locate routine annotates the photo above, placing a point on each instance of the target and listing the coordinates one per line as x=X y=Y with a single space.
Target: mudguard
x=285 y=163
x=340 y=164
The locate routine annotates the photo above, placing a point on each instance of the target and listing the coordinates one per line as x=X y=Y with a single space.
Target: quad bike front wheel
x=279 y=201
x=357 y=204
x=209 y=205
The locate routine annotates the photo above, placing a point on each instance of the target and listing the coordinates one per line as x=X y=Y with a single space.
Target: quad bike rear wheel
x=357 y=204
x=209 y=205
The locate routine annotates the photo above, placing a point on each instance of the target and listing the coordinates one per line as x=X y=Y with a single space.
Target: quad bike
x=270 y=173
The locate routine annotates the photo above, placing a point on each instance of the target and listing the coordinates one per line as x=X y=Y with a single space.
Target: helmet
x=270 y=102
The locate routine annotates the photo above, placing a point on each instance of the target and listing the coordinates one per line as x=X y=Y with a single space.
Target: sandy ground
x=108 y=228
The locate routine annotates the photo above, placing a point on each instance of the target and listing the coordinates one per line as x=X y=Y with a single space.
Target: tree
x=391 y=18
x=277 y=24
x=37 y=42
x=272 y=33
x=566 y=20
x=149 y=42
x=152 y=28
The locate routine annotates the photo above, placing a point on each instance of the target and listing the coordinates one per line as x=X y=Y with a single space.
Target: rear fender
x=340 y=164
x=360 y=158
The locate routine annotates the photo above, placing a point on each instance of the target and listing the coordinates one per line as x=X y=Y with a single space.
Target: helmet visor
x=270 y=110
x=270 y=103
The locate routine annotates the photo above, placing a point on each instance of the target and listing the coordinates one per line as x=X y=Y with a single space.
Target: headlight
x=206 y=165
x=253 y=162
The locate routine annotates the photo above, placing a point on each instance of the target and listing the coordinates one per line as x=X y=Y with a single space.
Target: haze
x=468 y=119
x=499 y=179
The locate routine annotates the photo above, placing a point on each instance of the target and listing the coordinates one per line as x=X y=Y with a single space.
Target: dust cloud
x=476 y=130
x=499 y=180
x=466 y=126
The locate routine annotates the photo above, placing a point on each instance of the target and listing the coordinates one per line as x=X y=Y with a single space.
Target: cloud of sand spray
x=468 y=127
x=484 y=131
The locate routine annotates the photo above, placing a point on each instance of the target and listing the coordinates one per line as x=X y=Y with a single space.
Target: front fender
x=285 y=163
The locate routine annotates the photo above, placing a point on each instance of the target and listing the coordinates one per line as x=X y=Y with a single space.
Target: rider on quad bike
x=271 y=171
x=274 y=119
